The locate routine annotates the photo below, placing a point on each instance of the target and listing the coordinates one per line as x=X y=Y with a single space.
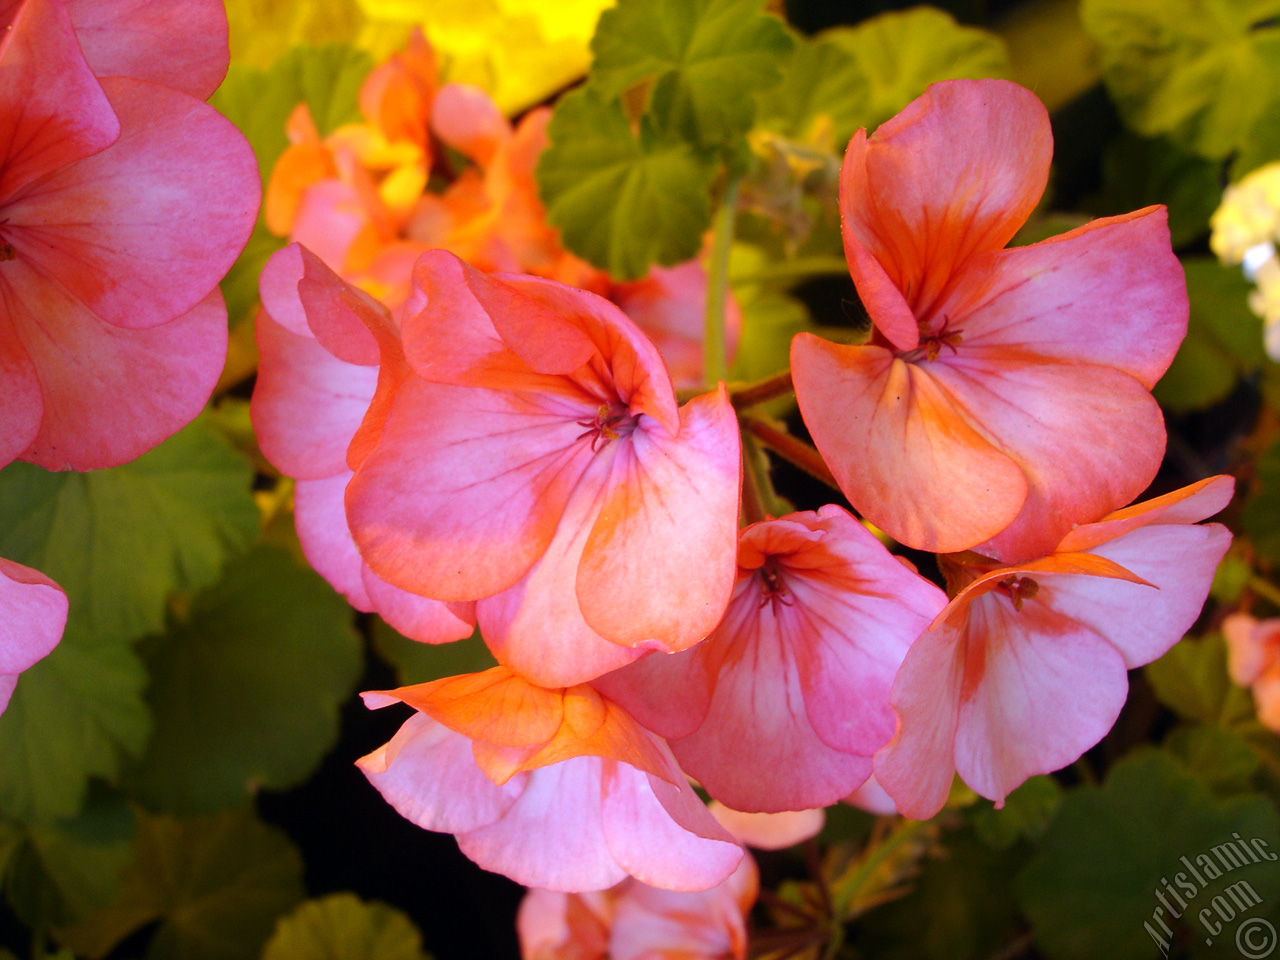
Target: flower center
x=773 y=588
x=1019 y=589
x=610 y=423
x=932 y=342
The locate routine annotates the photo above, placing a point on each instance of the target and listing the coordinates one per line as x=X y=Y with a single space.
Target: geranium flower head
x=123 y=201
x=796 y=676
x=1253 y=657
x=1025 y=669
x=634 y=921
x=1004 y=396
x=559 y=788
x=534 y=460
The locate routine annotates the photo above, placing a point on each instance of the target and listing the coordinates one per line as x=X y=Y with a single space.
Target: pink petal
x=23 y=408
x=554 y=925
x=1110 y=292
x=954 y=174
x=465 y=490
x=1248 y=648
x=467 y=119
x=668 y=693
x=660 y=561
x=111 y=394
x=1189 y=504
x=757 y=723
x=319 y=513
x=917 y=766
x=179 y=43
x=770 y=831
x=1039 y=692
x=341 y=316
x=536 y=626
x=420 y=618
x=662 y=834
x=901 y=448
x=872 y=798
x=553 y=835
x=1143 y=622
x=54 y=111
x=307 y=404
x=35 y=613
x=428 y=773
x=142 y=231
x=1088 y=438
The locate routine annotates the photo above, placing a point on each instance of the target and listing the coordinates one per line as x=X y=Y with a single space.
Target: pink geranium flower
x=532 y=458
x=634 y=921
x=1253 y=657
x=1004 y=395
x=559 y=789
x=317 y=374
x=33 y=612
x=796 y=676
x=1025 y=669
x=123 y=201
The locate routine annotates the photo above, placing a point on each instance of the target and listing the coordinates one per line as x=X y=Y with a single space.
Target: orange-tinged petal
x=900 y=448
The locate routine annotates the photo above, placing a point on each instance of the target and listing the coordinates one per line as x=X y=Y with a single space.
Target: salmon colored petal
x=179 y=43
x=465 y=490
x=492 y=706
x=297 y=170
x=660 y=560
x=627 y=359
x=668 y=693
x=1088 y=438
x=1039 y=691
x=467 y=119
x=901 y=450
x=307 y=404
x=661 y=833
x=34 y=614
x=917 y=766
x=1189 y=504
x=419 y=618
x=111 y=394
x=55 y=111
x=1143 y=622
x=553 y=836
x=142 y=231
x=565 y=926
x=1248 y=650
x=954 y=174
x=333 y=220
x=536 y=626
x=769 y=831
x=1110 y=292
x=606 y=730
x=428 y=774
x=872 y=798
x=342 y=317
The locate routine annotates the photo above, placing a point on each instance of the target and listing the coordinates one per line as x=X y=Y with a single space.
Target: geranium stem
x=714 y=367
x=762 y=391
x=794 y=451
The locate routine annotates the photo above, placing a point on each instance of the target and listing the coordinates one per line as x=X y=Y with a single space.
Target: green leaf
x=423 y=662
x=1091 y=891
x=1026 y=813
x=1222 y=759
x=824 y=97
x=901 y=53
x=245 y=688
x=119 y=541
x=1138 y=172
x=59 y=871
x=707 y=60
x=1199 y=71
x=215 y=885
x=342 y=926
x=73 y=716
x=1192 y=680
x=1224 y=338
x=1260 y=518
x=622 y=202
x=240 y=285
x=1262 y=145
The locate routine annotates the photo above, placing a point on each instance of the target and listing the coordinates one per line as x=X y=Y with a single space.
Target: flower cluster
x=503 y=450
x=124 y=199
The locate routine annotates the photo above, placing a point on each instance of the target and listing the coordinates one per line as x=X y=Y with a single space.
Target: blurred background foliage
x=176 y=779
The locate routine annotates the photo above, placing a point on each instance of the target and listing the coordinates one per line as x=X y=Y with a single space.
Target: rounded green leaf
x=344 y=927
